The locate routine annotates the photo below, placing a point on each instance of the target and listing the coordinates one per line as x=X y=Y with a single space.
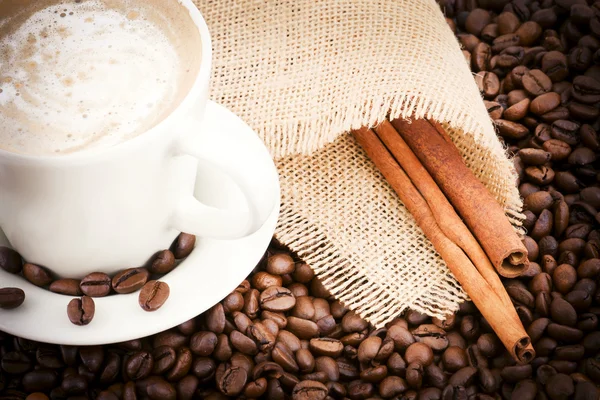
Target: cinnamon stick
x=474 y=203
x=493 y=307
x=445 y=215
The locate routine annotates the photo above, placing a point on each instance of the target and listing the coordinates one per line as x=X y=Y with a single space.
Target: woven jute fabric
x=303 y=74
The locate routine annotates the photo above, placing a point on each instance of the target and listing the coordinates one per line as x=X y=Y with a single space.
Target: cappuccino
x=83 y=74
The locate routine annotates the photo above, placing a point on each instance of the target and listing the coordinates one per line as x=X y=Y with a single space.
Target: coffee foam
x=75 y=76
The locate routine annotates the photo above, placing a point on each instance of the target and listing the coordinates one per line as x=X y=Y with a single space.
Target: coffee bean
x=81 y=311
x=163 y=263
x=369 y=348
x=536 y=82
x=454 y=358
x=40 y=380
x=11 y=298
x=277 y=299
x=139 y=365
x=230 y=381
x=130 y=280
x=69 y=287
x=157 y=388
x=528 y=33
x=309 y=390
x=564 y=333
x=419 y=353
x=511 y=130
x=516 y=373
x=262 y=280
x=243 y=343
x=563 y=312
x=560 y=387
x=589 y=137
x=96 y=284
x=74 y=384
x=182 y=365
x=183 y=245
x=169 y=338
x=10 y=260
x=49 y=357
x=15 y=363
x=203 y=343
x=280 y=264
x=327 y=347
x=586 y=89
x=153 y=295
x=37 y=275
x=432 y=336
x=251 y=303
x=414 y=375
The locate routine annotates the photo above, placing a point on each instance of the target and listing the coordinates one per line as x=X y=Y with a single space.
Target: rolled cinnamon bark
x=491 y=305
x=474 y=203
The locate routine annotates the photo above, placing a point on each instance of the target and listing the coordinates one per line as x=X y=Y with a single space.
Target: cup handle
x=192 y=216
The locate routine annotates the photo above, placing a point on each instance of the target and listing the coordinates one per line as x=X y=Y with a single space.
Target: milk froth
x=76 y=75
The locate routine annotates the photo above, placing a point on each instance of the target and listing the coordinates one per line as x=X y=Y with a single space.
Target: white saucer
x=212 y=271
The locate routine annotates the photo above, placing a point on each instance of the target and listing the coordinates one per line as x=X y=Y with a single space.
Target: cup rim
x=202 y=78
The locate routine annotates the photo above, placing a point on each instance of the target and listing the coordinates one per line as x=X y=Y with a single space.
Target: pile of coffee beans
x=80 y=311
x=281 y=335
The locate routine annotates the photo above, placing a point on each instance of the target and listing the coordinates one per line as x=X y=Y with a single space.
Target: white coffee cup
x=112 y=208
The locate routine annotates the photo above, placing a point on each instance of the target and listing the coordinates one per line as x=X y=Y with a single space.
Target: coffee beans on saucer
x=11 y=298
x=153 y=295
x=99 y=284
x=81 y=310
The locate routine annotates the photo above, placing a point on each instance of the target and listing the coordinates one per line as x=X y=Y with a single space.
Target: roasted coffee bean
x=74 y=384
x=10 y=260
x=536 y=82
x=163 y=263
x=432 y=336
x=414 y=375
x=11 y=297
x=516 y=373
x=277 y=299
x=540 y=175
x=169 y=338
x=545 y=103
x=215 y=318
x=560 y=387
x=564 y=333
x=139 y=365
x=511 y=130
x=39 y=380
x=243 y=343
x=49 y=357
x=15 y=362
x=183 y=245
x=309 y=390
x=262 y=280
x=419 y=353
x=37 y=275
x=69 y=287
x=469 y=327
x=562 y=312
x=96 y=284
x=153 y=295
x=183 y=364
x=280 y=264
x=81 y=311
x=130 y=280
x=586 y=89
x=203 y=343
x=454 y=358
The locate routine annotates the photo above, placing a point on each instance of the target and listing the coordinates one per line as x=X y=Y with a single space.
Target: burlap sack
x=303 y=73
